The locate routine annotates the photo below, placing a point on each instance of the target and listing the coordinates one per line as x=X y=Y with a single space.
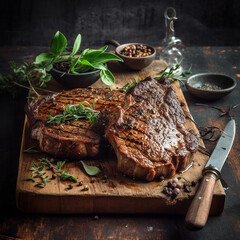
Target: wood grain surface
x=119 y=194
x=15 y=224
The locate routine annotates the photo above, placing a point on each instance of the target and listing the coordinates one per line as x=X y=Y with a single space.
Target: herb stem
x=37 y=88
x=31 y=86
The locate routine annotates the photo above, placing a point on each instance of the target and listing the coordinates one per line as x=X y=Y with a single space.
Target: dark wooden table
x=16 y=224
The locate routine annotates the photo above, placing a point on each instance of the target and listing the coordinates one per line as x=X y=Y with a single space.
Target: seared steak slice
x=148 y=135
x=72 y=139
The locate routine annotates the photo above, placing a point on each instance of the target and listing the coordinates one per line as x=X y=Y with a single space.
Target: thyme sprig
x=38 y=172
x=174 y=74
x=28 y=75
x=75 y=112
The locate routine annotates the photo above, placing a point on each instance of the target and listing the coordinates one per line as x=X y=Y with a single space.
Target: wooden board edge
x=24 y=203
x=18 y=189
x=104 y=205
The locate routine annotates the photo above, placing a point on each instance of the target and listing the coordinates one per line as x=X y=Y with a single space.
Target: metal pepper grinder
x=172 y=47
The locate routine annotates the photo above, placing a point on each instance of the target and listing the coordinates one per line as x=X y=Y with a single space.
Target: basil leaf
x=107 y=77
x=58 y=44
x=33 y=149
x=76 y=45
x=43 y=57
x=90 y=54
x=48 y=68
x=91 y=170
x=104 y=48
x=87 y=63
x=105 y=57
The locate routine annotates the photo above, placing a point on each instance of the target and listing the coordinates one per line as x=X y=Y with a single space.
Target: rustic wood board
x=120 y=194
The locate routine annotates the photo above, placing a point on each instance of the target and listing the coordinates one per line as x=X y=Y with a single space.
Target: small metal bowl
x=75 y=80
x=224 y=82
x=134 y=63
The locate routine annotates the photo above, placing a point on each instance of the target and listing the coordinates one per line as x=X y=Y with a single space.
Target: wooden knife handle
x=198 y=211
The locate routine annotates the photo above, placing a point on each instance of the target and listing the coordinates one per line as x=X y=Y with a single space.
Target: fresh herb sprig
x=38 y=172
x=88 y=60
x=29 y=75
x=129 y=86
x=33 y=149
x=75 y=112
x=173 y=74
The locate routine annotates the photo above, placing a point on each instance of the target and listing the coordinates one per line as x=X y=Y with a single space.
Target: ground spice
x=209 y=86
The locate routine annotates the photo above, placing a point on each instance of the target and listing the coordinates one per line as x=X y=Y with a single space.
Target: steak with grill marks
x=148 y=133
x=72 y=139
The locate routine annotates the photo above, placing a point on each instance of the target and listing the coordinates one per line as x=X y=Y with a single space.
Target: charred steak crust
x=72 y=139
x=148 y=134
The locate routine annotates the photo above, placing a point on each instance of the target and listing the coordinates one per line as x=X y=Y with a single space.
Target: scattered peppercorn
x=80 y=183
x=92 y=180
x=54 y=176
x=139 y=50
x=69 y=187
x=104 y=177
x=182 y=104
x=193 y=183
x=161 y=178
x=85 y=188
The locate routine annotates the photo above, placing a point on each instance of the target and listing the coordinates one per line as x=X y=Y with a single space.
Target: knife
x=198 y=211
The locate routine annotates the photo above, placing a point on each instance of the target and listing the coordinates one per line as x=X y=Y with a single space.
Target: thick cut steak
x=148 y=133
x=72 y=139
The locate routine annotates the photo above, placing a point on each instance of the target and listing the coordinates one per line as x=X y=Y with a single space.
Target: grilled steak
x=72 y=139
x=145 y=128
x=148 y=134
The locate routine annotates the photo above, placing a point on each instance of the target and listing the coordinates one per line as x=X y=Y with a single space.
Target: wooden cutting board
x=117 y=194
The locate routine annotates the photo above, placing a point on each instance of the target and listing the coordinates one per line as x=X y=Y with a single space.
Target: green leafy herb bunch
x=80 y=61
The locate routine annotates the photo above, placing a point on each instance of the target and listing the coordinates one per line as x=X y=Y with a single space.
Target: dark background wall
x=201 y=22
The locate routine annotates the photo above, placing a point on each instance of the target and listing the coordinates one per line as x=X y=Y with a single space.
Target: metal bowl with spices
x=134 y=61
x=210 y=86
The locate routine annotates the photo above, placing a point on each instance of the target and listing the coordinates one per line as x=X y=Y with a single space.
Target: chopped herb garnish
x=38 y=172
x=75 y=112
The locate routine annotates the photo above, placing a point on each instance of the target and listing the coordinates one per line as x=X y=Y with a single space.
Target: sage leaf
x=90 y=170
x=107 y=77
x=58 y=44
x=76 y=45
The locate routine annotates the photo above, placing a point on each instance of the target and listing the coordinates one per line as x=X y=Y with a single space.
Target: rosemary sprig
x=27 y=75
x=33 y=149
x=173 y=74
x=129 y=86
x=75 y=112
x=38 y=172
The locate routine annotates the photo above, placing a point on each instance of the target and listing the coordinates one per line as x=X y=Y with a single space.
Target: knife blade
x=198 y=211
